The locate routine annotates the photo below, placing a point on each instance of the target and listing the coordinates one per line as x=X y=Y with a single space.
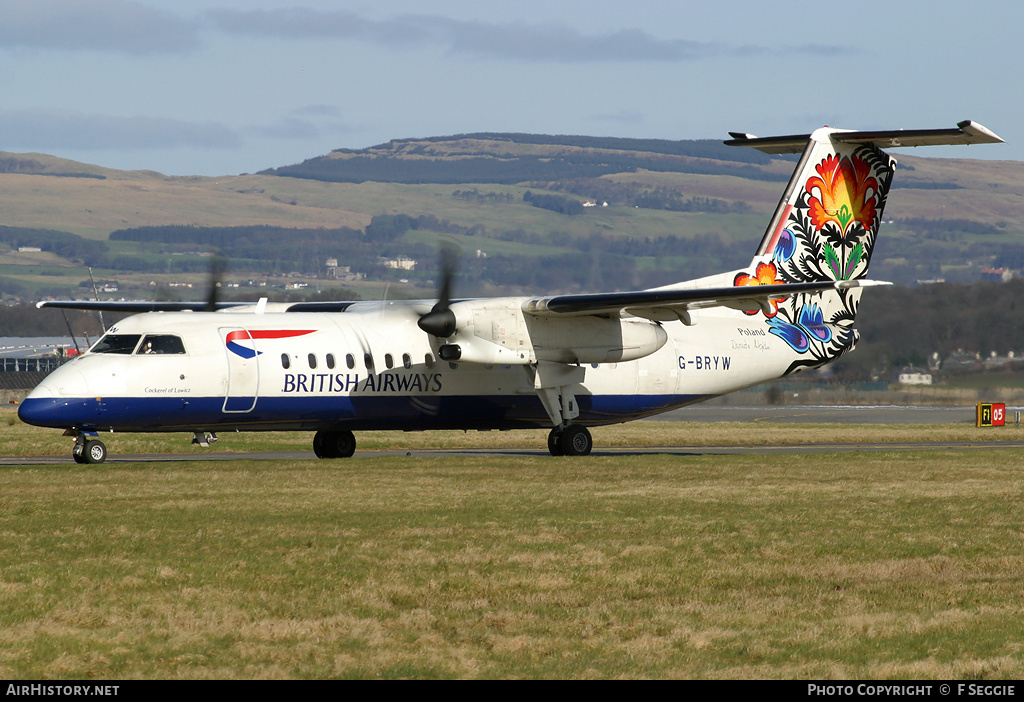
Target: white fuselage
x=370 y=367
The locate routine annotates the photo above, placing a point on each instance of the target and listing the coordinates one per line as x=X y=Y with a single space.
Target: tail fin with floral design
x=826 y=223
x=825 y=226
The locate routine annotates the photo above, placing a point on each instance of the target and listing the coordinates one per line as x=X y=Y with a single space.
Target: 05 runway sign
x=991 y=414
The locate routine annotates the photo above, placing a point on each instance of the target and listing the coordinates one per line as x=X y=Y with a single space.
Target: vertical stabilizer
x=825 y=226
x=826 y=223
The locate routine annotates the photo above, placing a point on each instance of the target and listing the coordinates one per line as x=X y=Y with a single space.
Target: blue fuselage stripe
x=411 y=412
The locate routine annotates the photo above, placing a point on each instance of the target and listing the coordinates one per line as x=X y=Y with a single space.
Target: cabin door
x=243 y=370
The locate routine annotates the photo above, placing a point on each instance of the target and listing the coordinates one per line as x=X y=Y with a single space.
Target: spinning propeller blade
x=218 y=266
x=440 y=320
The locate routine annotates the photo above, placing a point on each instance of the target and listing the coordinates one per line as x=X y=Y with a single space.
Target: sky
x=221 y=87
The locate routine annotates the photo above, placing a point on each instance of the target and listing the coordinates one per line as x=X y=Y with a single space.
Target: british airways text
x=351 y=382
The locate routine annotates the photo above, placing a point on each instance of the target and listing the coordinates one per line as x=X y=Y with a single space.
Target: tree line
x=63 y=244
x=899 y=326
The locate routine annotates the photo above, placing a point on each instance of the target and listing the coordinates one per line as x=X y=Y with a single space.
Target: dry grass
x=18 y=439
x=902 y=564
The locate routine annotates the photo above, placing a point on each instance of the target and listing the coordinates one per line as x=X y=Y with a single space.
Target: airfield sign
x=991 y=414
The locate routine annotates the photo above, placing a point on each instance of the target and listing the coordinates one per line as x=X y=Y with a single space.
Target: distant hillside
x=517 y=158
x=38 y=164
x=531 y=212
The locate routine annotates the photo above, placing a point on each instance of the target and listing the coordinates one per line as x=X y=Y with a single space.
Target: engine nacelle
x=497 y=332
x=594 y=339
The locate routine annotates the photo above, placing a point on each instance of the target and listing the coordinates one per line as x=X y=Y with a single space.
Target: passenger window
x=312 y=360
x=162 y=344
x=330 y=361
x=116 y=343
x=407 y=360
x=368 y=361
x=389 y=361
x=350 y=361
x=285 y=361
x=429 y=360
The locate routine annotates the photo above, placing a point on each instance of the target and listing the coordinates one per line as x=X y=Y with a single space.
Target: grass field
x=893 y=564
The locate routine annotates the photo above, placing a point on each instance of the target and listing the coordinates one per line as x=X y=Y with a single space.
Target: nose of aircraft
x=39 y=408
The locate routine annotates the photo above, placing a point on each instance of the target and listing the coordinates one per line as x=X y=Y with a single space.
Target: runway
x=825 y=414
x=737 y=449
x=831 y=414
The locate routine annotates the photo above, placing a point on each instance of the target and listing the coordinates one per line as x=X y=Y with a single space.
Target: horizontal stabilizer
x=966 y=132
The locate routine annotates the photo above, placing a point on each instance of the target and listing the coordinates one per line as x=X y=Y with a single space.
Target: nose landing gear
x=88 y=450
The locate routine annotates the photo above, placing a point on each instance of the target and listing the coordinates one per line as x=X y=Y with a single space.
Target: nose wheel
x=89 y=451
x=573 y=440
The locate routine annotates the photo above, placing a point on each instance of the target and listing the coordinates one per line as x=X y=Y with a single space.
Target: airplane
x=559 y=362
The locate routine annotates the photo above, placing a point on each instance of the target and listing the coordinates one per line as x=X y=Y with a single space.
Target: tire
x=334 y=444
x=554 y=442
x=576 y=441
x=344 y=444
x=318 y=445
x=95 y=452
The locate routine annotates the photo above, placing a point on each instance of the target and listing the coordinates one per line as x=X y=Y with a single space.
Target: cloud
x=70 y=130
x=563 y=44
x=291 y=23
x=513 y=41
x=119 y=26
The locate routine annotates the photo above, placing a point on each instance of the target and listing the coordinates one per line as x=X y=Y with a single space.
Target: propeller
x=440 y=320
x=218 y=266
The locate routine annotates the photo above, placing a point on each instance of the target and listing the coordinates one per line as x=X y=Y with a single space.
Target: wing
x=136 y=306
x=664 y=305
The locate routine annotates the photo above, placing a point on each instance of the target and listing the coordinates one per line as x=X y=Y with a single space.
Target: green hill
x=513 y=203
x=518 y=158
x=665 y=211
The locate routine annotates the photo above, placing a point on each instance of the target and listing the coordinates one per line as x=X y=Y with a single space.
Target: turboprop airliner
x=564 y=363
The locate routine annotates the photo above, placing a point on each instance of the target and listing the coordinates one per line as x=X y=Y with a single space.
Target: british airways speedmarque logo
x=234 y=337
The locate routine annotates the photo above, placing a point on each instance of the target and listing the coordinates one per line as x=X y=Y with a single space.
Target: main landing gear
x=555 y=383
x=334 y=444
x=571 y=440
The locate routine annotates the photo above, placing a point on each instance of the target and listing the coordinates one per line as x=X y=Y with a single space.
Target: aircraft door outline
x=243 y=381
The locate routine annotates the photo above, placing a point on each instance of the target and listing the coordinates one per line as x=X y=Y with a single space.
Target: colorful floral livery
x=824 y=229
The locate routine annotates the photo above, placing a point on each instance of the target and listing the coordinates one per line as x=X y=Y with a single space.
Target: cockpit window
x=116 y=343
x=161 y=343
